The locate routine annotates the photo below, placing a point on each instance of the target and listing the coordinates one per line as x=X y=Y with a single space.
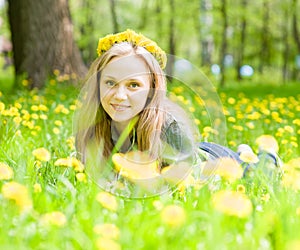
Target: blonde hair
x=92 y=124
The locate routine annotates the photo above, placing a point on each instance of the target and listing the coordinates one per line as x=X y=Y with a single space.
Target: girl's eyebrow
x=108 y=76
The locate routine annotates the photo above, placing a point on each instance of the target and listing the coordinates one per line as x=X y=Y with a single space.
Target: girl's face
x=124 y=88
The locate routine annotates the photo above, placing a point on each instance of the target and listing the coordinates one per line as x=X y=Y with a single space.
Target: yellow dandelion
x=37 y=188
x=232 y=203
x=58 y=123
x=231 y=100
x=71 y=143
x=56 y=130
x=173 y=215
x=298 y=211
x=293 y=245
x=107 y=200
x=34 y=116
x=158 y=205
x=249 y=157
x=70 y=162
x=265 y=197
x=41 y=154
x=77 y=165
x=107 y=244
x=34 y=108
x=6 y=172
x=241 y=189
x=291 y=176
x=43 y=117
x=25 y=82
x=107 y=230
x=267 y=143
x=229 y=169
x=55 y=218
x=2 y=106
x=81 y=177
x=18 y=193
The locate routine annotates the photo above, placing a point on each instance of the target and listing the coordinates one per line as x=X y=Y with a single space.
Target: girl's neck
x=119 y=126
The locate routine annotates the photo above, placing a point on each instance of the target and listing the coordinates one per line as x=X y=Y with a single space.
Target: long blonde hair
x=92 y=124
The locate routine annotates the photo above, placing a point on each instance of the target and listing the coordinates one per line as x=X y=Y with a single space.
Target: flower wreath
x=131 y=36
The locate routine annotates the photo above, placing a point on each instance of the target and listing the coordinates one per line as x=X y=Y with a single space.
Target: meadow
x=48 y=202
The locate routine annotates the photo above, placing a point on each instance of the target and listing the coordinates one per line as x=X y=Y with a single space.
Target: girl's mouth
x=119 y=107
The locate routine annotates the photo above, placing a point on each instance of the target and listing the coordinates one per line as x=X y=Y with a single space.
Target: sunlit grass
x=49 y=203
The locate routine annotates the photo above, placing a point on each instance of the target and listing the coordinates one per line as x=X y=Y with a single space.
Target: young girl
x=124 y=108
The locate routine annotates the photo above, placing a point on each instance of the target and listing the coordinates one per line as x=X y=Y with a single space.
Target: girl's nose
x=120 y=94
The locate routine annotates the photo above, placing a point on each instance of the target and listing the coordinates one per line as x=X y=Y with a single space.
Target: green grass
x=273 y=224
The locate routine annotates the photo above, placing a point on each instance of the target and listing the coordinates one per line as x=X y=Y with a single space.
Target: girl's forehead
x=124 y=67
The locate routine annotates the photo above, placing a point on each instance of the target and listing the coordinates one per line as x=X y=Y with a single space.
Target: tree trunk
x=295 y=26
x=240 y=57
x=206 y=38
x=158 y=20
x=114 y=16
x=144 y=14
x=285 y=38
x=172 y=44
x=265 y=48
x=224 y=42
x=42 y=37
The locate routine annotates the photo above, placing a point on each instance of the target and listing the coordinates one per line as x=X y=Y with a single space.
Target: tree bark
x=114 y=16
x=265 y=33
x=205 y=36
x=224 y=42
x=295 y=25
x=172 y=44
x=285 y=38
x=240 y=57
x=42 y=37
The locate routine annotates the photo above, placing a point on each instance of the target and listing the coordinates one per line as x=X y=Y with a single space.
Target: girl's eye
x=134 y=85
x=110 y=83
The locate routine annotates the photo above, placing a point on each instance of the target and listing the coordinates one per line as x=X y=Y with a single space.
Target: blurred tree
x=265 y=52
x=42 y=37
x=242 y=40
x=206 y=38
x=285 y=40
x=172 y=43
x=158 y=20
x=114 y=16
x=224 y=43
x=295 y=25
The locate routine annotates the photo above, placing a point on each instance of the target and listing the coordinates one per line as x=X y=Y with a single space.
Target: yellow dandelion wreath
x=131 y=36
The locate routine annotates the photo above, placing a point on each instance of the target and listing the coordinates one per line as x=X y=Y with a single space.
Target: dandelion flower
x=18 y=193
x=241 y=189
x=41 y=154
x=229 y=169
x=173 y=215
x=293 y=245
x=37 y=188
x=158 y=205
x=6 y=172
x=267 y=143
x=107 y=230
x=232 y=203
x=81 y=177
x=107 y=244
x=107 y=200
x=291 y=176
x=70 y=162
x=55 y=218
x=249 y=157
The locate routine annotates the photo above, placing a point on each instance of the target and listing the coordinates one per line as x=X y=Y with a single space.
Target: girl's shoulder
x=178 y=130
